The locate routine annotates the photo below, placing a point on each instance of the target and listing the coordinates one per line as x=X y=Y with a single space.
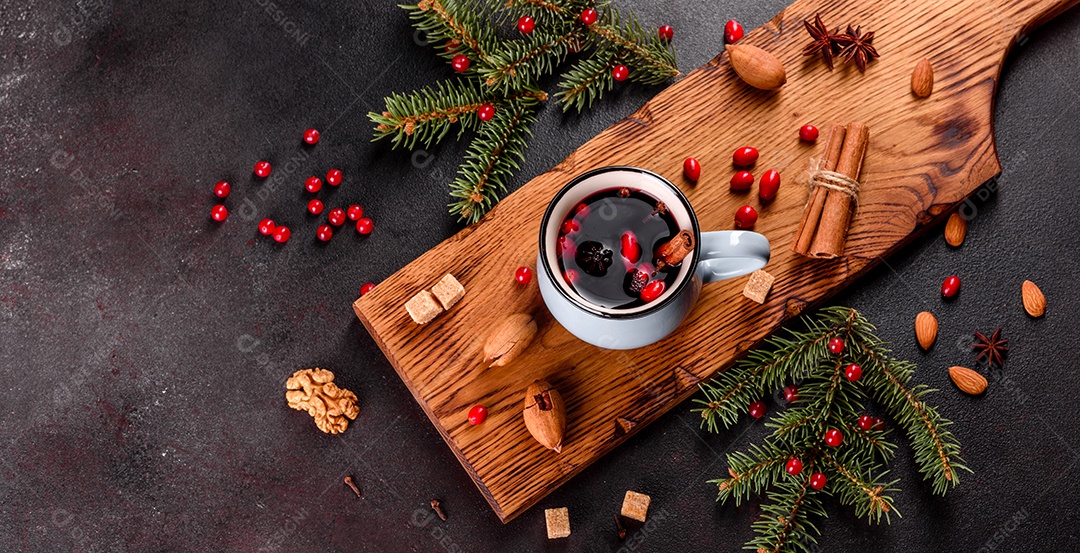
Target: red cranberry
x=951 y=286
x=620 y=72
x=879 y=424
x=526 y=24
x=266 y=227
x=367 y=287
x=745 y=156
x=219 y=213
x=281 y=234
x=836 y=346
x=582 y=211
x=333 y=177
x=571 y=276
x=336 y=217
x=222 y=189
x=691 y=169
x=745 y=217
x=311 y=136
x=566 y=246
x=666 y=32
x=769 y=185
x=742 y=181
x=818 y=480
x=325 y=233
x=355 y=212
x=791 y=393
x=570 y=226
x=652 y=291
x=757 y=409
x=262 y=169
x=866 y=422
x=523 y=275
x=793 y=466
x=808 y=133
x=477 y=415
x=629 y=247
x=589 y=16
x=485 y=112
x=460 y=63
x=833 y=437
x=452 y=45
x=853 y=372
x=732 y=31
x=313 y=184
x=365 y=226
x=315 y=206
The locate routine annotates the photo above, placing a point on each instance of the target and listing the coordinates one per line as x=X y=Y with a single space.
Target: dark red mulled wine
x=609 y=248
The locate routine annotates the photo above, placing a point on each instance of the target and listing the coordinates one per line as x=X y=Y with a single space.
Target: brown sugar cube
x=635 y=505
x=423 y=307
x=448 y=290
x=558 y=522
x=758 y=286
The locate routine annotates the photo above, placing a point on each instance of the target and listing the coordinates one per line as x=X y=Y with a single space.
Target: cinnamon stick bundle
x=823 y=230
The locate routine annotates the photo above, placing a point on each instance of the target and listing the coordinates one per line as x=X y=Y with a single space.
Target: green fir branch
x=650 y=59
x=455 y=21
x=586 y=82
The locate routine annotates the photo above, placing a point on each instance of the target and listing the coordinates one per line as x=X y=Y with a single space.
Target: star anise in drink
x=593 y=258
x=992 y=349
x=854 y=45
x=824 y=41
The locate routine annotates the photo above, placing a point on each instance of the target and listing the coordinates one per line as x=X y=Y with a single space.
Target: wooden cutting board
x=925 y=156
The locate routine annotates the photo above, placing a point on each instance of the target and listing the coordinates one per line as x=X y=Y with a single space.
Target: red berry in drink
x=219 y=213
x=620 y=72
x=757 y=409
x=311 y=136
x=315 y=206
x=666 y=33
x=222 y=189
x=742 y=181
x=866 y=422
x=629 y=247
x=951 y=286
x=582 y=211
x=355 y=212
x=691 y=169
x=477 y=415
x=745 y=217
x=333 y=177
x=367 y=287
x=793 y=466
x=732 y=31
x=281 y=234
x=523 y=275
x=588 y=16
x=791 y=393
x=365 y=226
x=769 y=185
x=336 y=217
x=853 y=372
x=570 y=226
x=485 y=112
x=262 y=169
x=325 y=233
x=266 y=227
x=652 y=291
x=808 y=133
x=836 y=346
x=833 y=437
x=571 y=276
x=745 y=156
x=566 y=246
x=460 y=63
x=526 y=24
x=818 y=480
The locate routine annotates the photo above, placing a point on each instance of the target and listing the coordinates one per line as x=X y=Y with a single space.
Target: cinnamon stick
x=812 y=214
x=832 y=231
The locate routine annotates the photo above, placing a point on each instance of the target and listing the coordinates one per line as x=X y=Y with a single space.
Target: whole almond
x=969 y=381
x=922 y=79
x=757 y=67
x=509 y=337
x=1034 y=300
x=926 y=329
x=545 y=415
x=955 y=230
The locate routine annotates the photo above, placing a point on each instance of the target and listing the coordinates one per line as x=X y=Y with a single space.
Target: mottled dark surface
x=144 y=347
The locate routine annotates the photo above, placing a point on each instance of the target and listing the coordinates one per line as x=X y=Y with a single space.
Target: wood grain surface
x=925 y=156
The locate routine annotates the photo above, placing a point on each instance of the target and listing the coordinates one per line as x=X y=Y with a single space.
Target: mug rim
x=580 y=302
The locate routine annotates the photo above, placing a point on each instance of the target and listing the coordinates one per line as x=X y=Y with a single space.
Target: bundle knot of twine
x=832 y=180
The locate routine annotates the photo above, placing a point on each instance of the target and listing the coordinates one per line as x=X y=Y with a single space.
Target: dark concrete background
x=144 y=347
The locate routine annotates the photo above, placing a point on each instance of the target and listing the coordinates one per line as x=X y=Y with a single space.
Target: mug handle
x=731 y=253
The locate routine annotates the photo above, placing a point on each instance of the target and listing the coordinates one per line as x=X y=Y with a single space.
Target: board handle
x=1032 y=14
x=731 y=253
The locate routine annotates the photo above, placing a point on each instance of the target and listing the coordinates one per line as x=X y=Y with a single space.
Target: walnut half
x=314 y=391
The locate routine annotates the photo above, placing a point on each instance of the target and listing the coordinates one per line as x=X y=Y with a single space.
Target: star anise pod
x=856 y=46
x=992 y=349
x=593 y=258
x=824 y=41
